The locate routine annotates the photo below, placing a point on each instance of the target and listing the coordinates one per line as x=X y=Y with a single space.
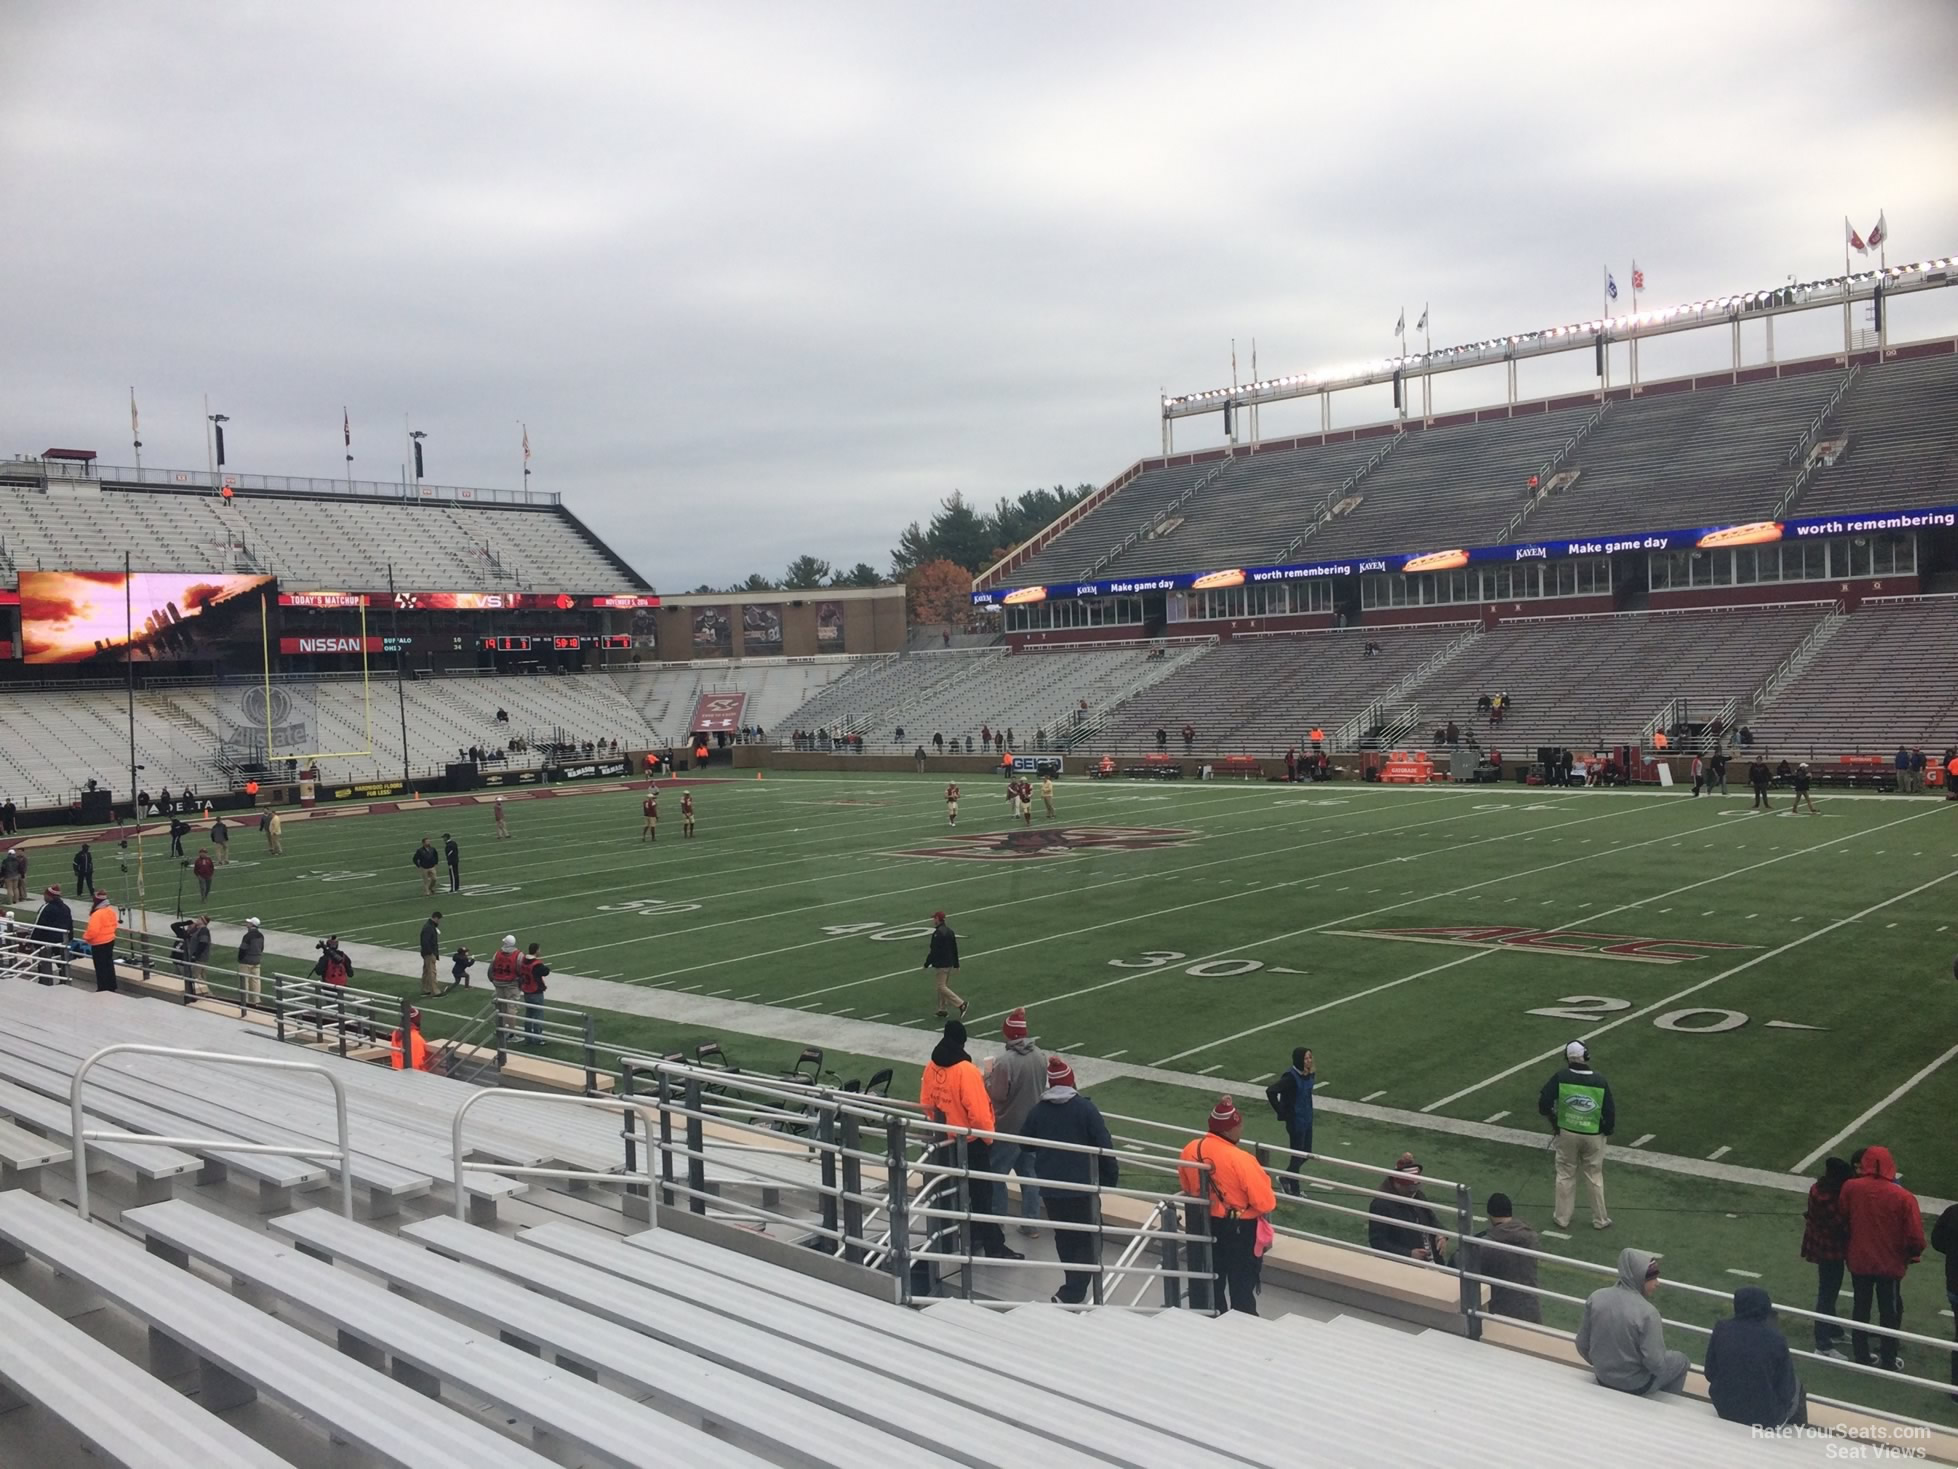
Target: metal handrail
x=81 y=1135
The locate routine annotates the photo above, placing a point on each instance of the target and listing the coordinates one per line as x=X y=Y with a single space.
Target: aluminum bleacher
x=341 y=542
x=1138 y=505
x=1882 y=680
x=1901 y=422
x=776 y=688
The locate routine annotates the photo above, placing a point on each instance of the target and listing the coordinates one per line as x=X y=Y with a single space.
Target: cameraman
x=333 y=966
x=193 y=948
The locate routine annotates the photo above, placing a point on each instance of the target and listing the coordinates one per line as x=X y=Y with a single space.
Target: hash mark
x=878 y=1016
x=1718 y=1153
x=1644 y=1140
x=1497 y=1118
x=1371 y=1095
x=1744 y=1274
x=1113 y=1054
x=1218 y=1066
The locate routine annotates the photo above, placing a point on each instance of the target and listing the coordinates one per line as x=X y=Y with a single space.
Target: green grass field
x=1760 y=990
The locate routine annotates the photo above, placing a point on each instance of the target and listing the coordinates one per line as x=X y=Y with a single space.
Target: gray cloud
x=766 y=279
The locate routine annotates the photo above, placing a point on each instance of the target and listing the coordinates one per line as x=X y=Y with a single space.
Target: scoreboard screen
x=565 y=644
x=506 y=645
x=616 y=640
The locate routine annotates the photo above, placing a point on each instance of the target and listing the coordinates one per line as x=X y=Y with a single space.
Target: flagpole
x=1634 y=349
x=1254 y=379
x=135 y=434
x=1605 y=335
x=1846 y=228
x=1427 y=374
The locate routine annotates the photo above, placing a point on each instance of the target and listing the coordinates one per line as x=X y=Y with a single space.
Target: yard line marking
x=1889 y=925
x=1112 y=1055
x=1693 y=989
x=846 y=1010
x=1261 y=1080
x=1645 y=1139
x=745 y=998
x=1555 y=1234
x=1754 y=915
x=710 y=995
x=1497 y=1117
x=687 y=989
x=1371 y=1095
x=1208 y=1069
x=1708 y=914
x=1744 y=1274
x=1485 y=953
x=878 y=1016
x=1895 y=1096
x=810 y=1006
x=1718 y=1153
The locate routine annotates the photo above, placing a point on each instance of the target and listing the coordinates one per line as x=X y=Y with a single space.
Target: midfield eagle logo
x=1026 y=843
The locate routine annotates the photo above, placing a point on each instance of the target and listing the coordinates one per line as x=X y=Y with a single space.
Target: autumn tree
x=939 y=591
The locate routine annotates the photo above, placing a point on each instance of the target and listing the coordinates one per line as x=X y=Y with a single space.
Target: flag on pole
x=1610 y=287
x=346 y=428
x=526 y=443
x=135 y=429
x=1855 y=240
x=1879 y=232
x=1638 y=277
x=1400 y=324
x=1422 y=324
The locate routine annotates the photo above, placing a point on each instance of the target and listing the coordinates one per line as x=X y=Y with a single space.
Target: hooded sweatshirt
x=1749 y=1374
x=951 y=1090
x=1944 y=1238
x=1620 y=1334
x=1015 y=1083
x=1886 y=1231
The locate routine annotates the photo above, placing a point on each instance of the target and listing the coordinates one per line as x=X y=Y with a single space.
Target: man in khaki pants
x=251 y=954
x=1578 y=1102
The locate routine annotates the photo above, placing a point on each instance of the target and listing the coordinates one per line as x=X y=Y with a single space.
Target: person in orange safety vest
x=416 y=1056
x=100 y=936
x=953 y=1092
x=1240 y=1194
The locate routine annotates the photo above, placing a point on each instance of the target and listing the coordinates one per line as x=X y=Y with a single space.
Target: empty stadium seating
x=1885 y=677
x=665 y=697
x=958 y=693
x=1135 y=508
x=326 y=541
x=1901 y=420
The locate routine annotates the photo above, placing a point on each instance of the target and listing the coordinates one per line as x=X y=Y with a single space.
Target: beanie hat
x=52 y=890
x=1406 y=1164
x=1224 y=1116
x=1015 y=1028
x=1500 y=1207
x=1059 y=1073
x=939 y=916
x=101 y=895
x=509 y=943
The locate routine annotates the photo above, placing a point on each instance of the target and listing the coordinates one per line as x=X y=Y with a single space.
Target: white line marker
x=1371 y=1095
x=1744 y=1274
x=689 y=989
x=745 y=998
x=810 y=1006
x=846 y=1010
x=1901 y=1092
x=1718 y=1153
x=714 y=994
x=1113 y=1054
x=1261 y=1080
x=1497 y=1117
x=878 y=1016
x=1644 y=1140
x=1208 y=1069
x=1708 y=914
x=1754 y=915
x=1790 y=1025
x=1555 y=1234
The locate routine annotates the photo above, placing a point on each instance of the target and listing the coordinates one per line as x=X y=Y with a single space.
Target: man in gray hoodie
x=1015 y=1081
x=1621 y=1335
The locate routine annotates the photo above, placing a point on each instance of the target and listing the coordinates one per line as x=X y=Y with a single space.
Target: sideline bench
x=969 y=1412
x=124 y=1416
x=429 y=1350
x=751 y=1414
x=238 y=1350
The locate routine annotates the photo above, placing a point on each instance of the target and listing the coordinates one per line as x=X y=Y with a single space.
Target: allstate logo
x=256 y=700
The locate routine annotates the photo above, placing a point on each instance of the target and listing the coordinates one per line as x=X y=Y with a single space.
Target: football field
x=1760 y=989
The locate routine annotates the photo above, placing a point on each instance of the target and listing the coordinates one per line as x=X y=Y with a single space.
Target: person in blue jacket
x=1063 y=1115
x=1291 y=1098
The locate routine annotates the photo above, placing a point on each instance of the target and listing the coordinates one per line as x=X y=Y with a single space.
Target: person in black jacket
x=431 y=951
x=1944 y=1239
x=192 y=951
x=460 y=963
x=1291 y=1098
x=84 y=865
x=425 y=859
x=179 y=829
x=54 y=927
x=1404 y=1224
x=1063 y=1115
x=1749 y=1374
x=942 y=958
x=453 y=855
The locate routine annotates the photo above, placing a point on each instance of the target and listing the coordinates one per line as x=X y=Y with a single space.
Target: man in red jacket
x=1886 y=1237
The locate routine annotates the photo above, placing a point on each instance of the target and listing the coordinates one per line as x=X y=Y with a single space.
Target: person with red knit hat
x=1014 y=1081
x=1071 y=1180
x=1240 y=1194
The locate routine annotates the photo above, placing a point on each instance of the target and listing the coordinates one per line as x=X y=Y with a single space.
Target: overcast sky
x=771 y=279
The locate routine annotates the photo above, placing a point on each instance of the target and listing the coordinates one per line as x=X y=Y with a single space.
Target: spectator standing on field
x=275 y=834
x=1757 y=776
x=13 y=875
x=1886 y=1237
x=1749 y=1374
x=1515 y=1271
x=1621 y=1335
x=1716 y=778
x=1014 y=1081
x=942 y=957
x=1802 y=783
x=1404 y=1224
x=1240 y=1195
x=1699 y=775
x=452 y=854
x=179 y=829
x=1825 y=1244
x=502 y=820
x=1063 y=1115
x=431 y=950
x=221 y=840
x=1047 y=794
x=84 y=865
x=1291 y=1098
x=1582 y=1114
x=251 y=955
x=203 y=869
x=425 y=859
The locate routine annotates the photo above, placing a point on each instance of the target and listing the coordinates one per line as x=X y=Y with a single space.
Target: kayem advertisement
x=1755 y=533
x=351 y=644
x=79 y=616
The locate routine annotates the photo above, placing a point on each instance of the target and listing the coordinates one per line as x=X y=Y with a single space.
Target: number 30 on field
x=1596 y=1007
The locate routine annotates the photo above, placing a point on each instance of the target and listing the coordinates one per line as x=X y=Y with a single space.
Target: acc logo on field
x=1052 y=841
